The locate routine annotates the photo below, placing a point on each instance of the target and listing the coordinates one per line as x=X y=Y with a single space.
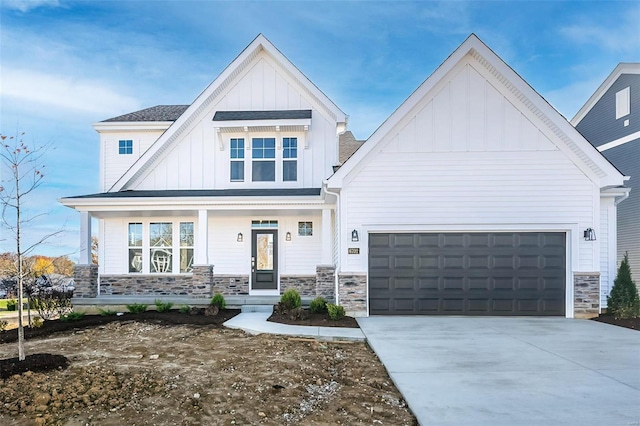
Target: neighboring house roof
x=572 y=143
x=215 y=89
x=348 y=146
x=155 y=113
x=622 y=68
x=275 y=192
x=262 y=115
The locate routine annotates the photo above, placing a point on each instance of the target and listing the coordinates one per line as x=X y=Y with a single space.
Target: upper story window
x=289 y=159
x=237 y=159
x=623 y=103
x=263 y=165
x=125 y=146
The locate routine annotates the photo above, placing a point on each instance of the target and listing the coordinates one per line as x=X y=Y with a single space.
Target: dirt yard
x=136 y=373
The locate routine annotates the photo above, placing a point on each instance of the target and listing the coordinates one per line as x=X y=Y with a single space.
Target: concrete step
x=256 y=308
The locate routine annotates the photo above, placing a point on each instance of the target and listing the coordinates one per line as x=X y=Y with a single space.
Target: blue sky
x=67 y=64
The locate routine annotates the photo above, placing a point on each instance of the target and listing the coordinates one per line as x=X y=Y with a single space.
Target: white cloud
x=27 y=5
x=64 y=92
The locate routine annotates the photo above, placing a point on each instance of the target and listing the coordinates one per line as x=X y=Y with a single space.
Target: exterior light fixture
x=354 y=236
x=589 y=234
x=288 y=236
x=240 y=237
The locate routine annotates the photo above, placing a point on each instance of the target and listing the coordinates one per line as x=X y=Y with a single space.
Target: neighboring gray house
x=610 y=120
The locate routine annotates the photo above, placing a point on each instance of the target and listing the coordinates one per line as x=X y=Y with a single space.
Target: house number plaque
x=354 y=250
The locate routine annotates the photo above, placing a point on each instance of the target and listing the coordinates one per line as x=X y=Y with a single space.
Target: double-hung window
x=237 y=159
x=161 y=247
x=135 y=247
x=125 y=147
x=263 y=165
x=289 y=159
x=186 y=246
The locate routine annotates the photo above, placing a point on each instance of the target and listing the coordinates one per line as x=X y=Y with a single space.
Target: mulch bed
x=34 y=363
x=317 y=320
x=171 y=317
x=632 y=323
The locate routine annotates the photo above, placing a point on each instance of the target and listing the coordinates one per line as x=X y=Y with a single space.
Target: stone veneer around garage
x=353 y=293
x=586 y=294
x=157 y=285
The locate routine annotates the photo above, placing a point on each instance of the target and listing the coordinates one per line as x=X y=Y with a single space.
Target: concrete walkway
x=256 y=323
x=511 y=371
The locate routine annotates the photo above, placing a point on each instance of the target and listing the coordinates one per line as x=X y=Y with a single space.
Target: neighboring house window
x=237 y=160
x=186 y=246
x=289 y=159
x=263 y=166
x=125 y=147
x=305 y=229
x=161 y=247
x=135 y=247
x=623 y=103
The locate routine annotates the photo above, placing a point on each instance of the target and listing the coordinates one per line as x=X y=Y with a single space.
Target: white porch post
x=201 y=255
x=85 y=238
x=327 y=258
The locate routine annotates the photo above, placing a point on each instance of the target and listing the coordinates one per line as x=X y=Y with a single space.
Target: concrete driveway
x=511 y=371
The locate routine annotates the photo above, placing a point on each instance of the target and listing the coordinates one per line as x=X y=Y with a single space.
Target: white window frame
x=237 y=160
x=146 y=245
x=126 y=147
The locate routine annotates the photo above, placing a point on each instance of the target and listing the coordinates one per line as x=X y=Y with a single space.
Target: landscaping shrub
x=290 y=299
x=218 y=300
x=37 y=322
x=137 y=308
x=52 y=303
x=3 y=325
x=72 y=316
x=107 y=312
x=163 y=306
x=12 y=305
x=624 y=302
x=184 y=309
x=318 y=305
x=336 y=312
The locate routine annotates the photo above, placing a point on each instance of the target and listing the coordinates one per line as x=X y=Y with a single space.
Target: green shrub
x=137 y=308
x=3 y=325
x=290 y=299
x=72 y=316
x=624 y=302
x=37 y=322
x=163 y=306
x=318 y=305
x=336 y=312
x=184 y=309
x=51 y=304
x=107 y=312
x=218 y=300
x=12 y=305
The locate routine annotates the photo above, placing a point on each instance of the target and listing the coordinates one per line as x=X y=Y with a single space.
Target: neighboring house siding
x=466 y=156
x=195 y=161
x=627 y=158
x=600 y=126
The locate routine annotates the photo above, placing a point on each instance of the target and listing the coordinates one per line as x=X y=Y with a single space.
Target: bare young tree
x=21 y=173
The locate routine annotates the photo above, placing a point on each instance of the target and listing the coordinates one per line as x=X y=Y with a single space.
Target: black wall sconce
x=240 y=237
x=589 y=234
x=354 y=236
x=288 y=236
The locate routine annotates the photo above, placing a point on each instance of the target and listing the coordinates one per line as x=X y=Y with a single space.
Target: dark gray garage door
x=467 y=274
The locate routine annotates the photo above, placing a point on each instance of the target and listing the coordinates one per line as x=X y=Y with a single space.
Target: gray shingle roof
x=155 y=113
x=276 y=192
x=262 y=115
x=348 y=146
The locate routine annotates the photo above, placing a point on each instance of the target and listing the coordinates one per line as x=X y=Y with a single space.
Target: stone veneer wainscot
x=586 y=294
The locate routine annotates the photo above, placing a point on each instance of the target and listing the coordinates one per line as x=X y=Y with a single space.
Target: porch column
x=85 y=239
x=201 y=255
x=327 y=258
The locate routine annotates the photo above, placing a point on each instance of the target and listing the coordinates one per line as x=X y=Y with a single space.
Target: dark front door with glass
x=264 y=260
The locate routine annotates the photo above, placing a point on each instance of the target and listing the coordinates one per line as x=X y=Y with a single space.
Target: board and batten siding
x=113 y=164
x=467 y=156
x=194 y=161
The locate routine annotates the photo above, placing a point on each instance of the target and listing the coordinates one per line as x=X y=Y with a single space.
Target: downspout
x=335 y=278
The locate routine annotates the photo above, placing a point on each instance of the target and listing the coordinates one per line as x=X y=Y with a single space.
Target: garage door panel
x=472 y=273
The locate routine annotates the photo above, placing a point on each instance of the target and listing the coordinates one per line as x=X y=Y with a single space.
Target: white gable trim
x=213 y=91
x=622 y=68
x=583 y=154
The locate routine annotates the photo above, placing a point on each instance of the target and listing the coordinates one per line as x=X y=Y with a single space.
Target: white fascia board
x=262 y=123
x=630 y=138
x=621 y=68
x=116 y=126
x=151 y=203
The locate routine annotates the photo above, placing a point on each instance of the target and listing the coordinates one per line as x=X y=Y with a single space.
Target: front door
x=264 y=259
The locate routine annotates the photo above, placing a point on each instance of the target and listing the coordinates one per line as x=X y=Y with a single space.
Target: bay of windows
x=265 y=164
x=152 y=247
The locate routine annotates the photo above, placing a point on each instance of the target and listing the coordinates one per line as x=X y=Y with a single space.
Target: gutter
x=335 y=278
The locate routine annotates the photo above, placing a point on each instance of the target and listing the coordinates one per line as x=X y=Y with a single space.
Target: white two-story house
x=475 y=197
